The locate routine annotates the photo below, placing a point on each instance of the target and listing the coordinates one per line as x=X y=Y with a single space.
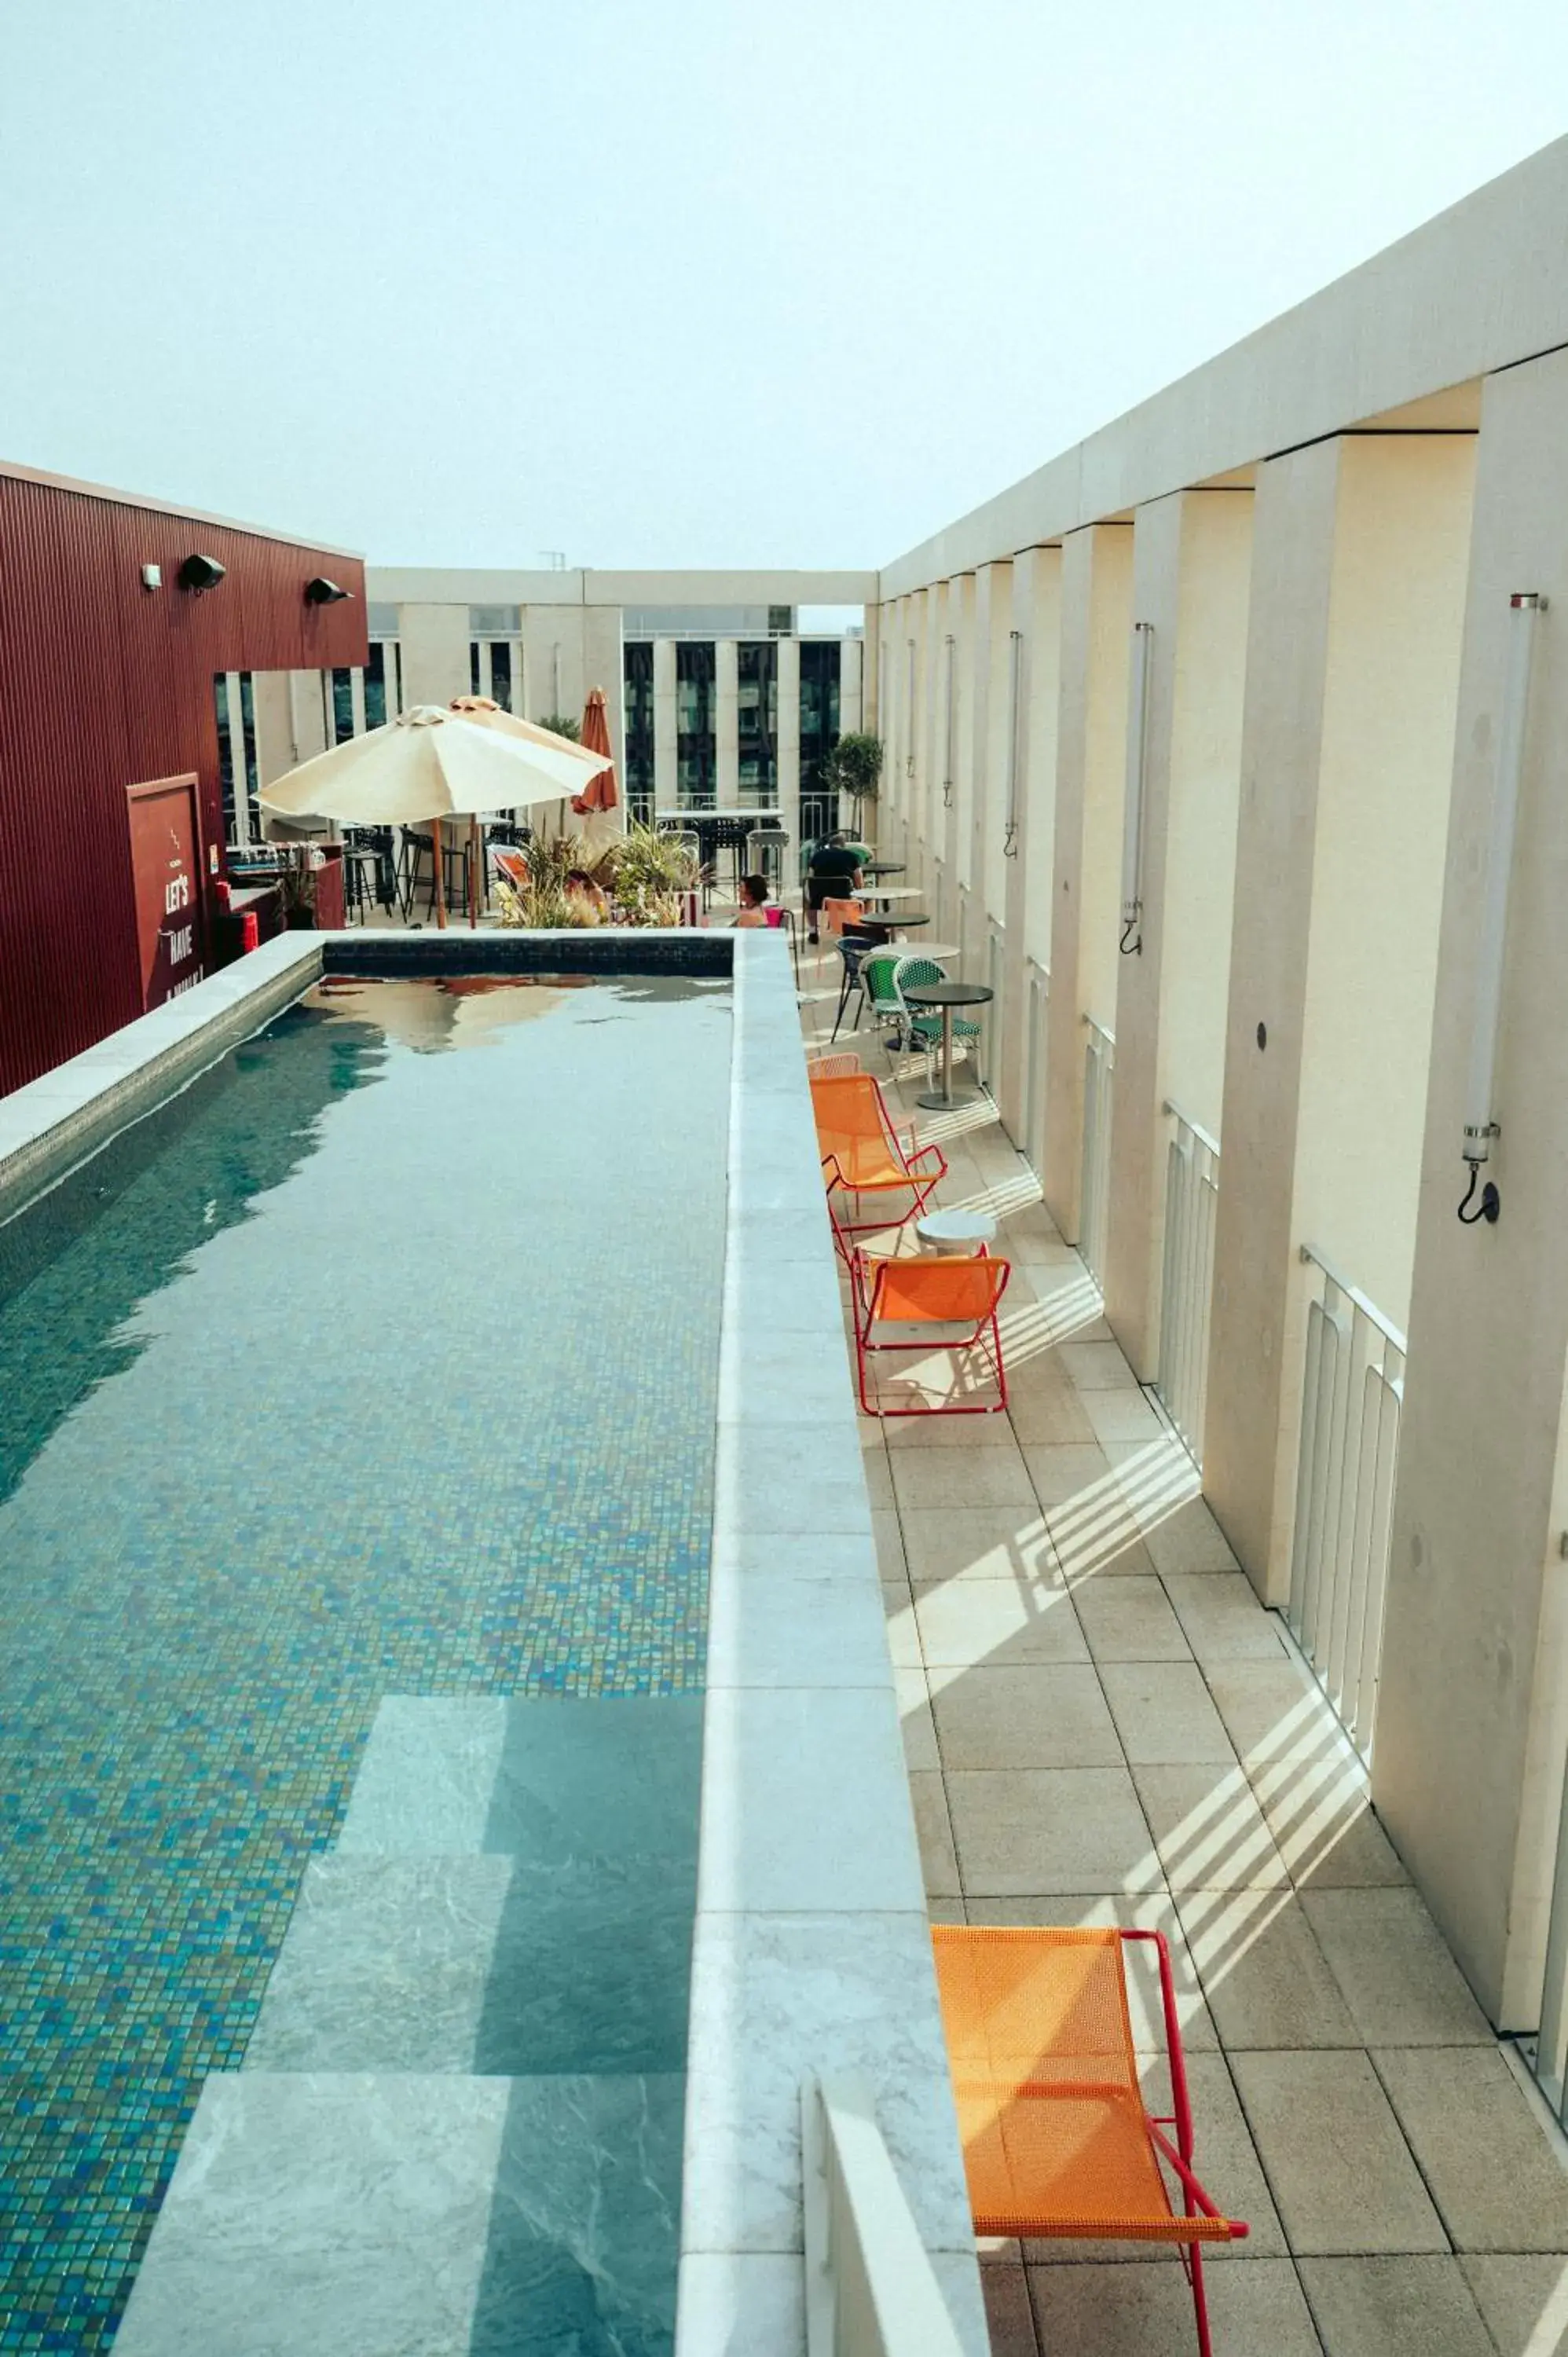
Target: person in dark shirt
x=833 y=874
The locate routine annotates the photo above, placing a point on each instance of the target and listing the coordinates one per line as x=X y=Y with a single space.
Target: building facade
x=718 y=698
x=188 y=674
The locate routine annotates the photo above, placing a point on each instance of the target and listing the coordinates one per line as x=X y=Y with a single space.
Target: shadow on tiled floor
x=1103 y=1725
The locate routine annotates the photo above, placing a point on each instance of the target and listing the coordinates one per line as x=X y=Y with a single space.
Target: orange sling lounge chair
x=1057 y=2142
x=862 y=1156
x=932 y=1302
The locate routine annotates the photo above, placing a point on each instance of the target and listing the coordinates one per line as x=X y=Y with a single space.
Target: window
x=383 y=621
x=780 y=621
x=343 y=707
x=376 y=685
x=756 y=665
x=238 y=773
x=495 y=622
x=500 y=674
x=638 y=675
x=696 y=740
x=818 y=707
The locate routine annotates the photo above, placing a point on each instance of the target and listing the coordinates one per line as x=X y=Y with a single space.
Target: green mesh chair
x=888 y=1011
x=923 y=1026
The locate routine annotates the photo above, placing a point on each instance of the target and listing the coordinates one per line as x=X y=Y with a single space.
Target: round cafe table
x=947 y=995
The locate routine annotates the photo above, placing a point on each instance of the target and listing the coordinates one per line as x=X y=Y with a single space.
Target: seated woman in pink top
x=753 y=908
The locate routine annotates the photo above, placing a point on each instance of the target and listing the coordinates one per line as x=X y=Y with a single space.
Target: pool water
x=379 y=1363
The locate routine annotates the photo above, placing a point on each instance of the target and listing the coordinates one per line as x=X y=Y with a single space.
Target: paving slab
x=1523 y=2302
x=1130 y=1620
x=1002 y=1623
x=1376 y=2308
x=1109 y=2310
x=1050 y=1830
x=1209 y=1830
x=993 y=1474
x=1008 y=1543
x=933 y=1831
x=1222 y=1616
x=1263 y=1973
x=1498 y=2183
x=1398 y=1979
x=1163 y=1714
x=1340 y=2169
x=1039 y=1716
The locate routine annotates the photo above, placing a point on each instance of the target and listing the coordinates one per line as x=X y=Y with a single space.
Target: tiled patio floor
x=1104 y=1725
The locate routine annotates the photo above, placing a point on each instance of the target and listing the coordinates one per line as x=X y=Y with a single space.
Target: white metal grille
x=1192 y=1195
x=1094 y=1193
x=1352 y=1395
x=1037 y=1052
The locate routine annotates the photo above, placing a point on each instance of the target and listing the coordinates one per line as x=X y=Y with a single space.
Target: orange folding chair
x=864 y=1156
x=837 y=914
x=931 y=1302
x=1057 y=2142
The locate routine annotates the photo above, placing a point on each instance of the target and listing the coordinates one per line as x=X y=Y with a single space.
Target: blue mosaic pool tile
x=359 y=1369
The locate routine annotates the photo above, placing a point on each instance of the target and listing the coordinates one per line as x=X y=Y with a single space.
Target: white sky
x=699 y=283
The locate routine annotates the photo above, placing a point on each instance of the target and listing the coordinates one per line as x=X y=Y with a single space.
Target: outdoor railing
x=1351 y=1397
x=995 y=1014
x=1094 y=1191
x=871 y=2290
x=1192 y=1193
x=1037 y=1052
x=1547 y=2052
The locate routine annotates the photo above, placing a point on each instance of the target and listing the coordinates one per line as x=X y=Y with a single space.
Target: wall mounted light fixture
x=152 y=576
x=1133 y=800
x=322 y=592
x=1525 y=610
x=200 y=572
x=1015 y=701
x=950 y=717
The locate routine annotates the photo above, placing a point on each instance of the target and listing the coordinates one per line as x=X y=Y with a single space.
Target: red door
x=165 y=868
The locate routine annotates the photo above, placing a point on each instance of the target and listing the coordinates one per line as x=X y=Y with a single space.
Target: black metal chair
x=853 y=948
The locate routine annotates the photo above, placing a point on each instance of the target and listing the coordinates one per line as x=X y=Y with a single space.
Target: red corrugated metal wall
x=104 y=685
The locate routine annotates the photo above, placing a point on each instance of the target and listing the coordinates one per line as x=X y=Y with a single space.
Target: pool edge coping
x=734 y=2278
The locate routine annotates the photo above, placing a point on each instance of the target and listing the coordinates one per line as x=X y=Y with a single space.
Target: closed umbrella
x=598 y=797
x=430 y=764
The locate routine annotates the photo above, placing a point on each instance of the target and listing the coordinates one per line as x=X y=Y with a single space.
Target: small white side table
x=956 y=1232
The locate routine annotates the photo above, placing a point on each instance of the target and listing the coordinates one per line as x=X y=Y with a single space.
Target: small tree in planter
x=854 y=769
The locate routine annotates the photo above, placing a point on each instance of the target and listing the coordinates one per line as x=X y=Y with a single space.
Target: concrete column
x=666 y=762
x=1358 y=558
x=604 y=666
x=871 y=714
x=850 y=651
x=357 y=698
x=992 y=736
x=274 y=724
x=307 y=692
x=1191 y=563
x=435 y=653
x=789 y=734
x=726 y=722
x=1471 y=1706
x=961 y=818
x=1036 y=603
x=1096 y=617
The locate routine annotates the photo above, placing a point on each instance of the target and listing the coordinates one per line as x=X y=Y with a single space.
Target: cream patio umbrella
x=430 y=764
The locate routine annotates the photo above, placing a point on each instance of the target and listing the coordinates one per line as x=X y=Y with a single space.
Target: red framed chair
x=930 y=1302
x=864 y=1156
x=1057 y=2141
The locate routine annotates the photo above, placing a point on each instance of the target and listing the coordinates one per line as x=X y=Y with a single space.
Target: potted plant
x=854 y=769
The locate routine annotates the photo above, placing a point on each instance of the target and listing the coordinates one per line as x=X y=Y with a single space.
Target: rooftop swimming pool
x=356 y=1440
